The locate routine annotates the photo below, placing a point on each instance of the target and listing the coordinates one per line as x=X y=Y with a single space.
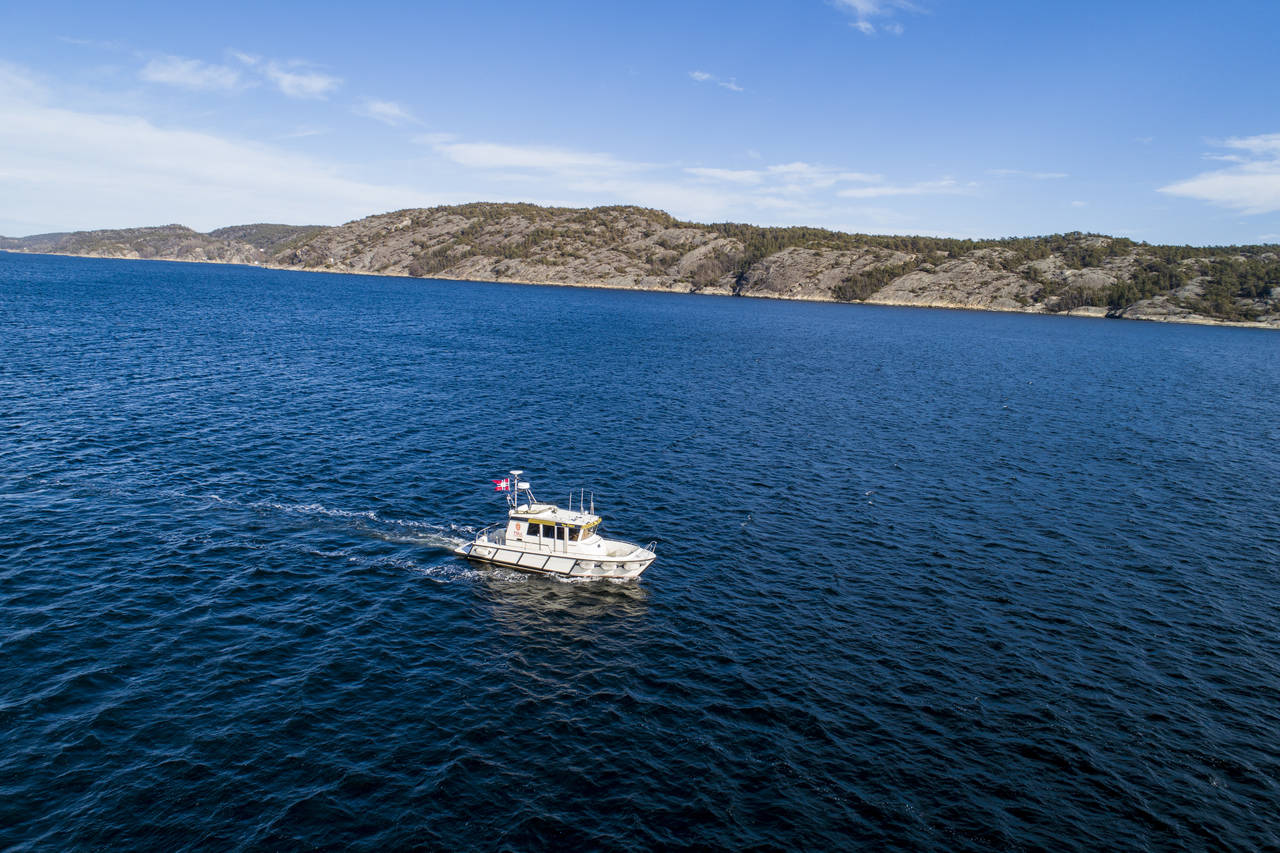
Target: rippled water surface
x=926 y=579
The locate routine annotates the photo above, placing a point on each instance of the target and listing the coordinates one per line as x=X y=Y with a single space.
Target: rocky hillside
x=632 y=247
x=240 y=244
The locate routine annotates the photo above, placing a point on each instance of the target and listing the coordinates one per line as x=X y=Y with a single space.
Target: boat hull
x=559 y=565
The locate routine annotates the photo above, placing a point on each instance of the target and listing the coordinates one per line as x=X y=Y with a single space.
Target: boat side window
x=560 y=532
x=535 y=529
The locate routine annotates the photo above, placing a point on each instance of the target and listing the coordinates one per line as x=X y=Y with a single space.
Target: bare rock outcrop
x=962 y=283
x=641 y=248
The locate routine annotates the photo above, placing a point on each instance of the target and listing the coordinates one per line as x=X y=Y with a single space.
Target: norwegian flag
x=502 y=485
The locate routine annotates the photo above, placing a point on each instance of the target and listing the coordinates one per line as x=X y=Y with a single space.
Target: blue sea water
x=926 y=579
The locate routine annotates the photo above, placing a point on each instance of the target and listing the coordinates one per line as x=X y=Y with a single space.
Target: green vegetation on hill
x=1225 y=273
x=633 y=246
x=268 y=237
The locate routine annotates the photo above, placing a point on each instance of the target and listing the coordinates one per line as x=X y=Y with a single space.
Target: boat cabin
x=545 y=524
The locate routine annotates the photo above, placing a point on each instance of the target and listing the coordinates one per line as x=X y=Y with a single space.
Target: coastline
x=1079 y=313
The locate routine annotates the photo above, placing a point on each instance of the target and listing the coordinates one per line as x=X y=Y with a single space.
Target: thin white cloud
x=435 y=138
x=17 y=84
x=295 y=78
x=79 y=169
x=733 y=176
x=387 y=112
x=864 y=10
x=813 y=176
x=782 y=193
x=302 y=132
x=947 y=186
x=190 y=74
x=1022 y=173
x=64 y=169
x=296 y=81
x=1250 y=186
x=705 y=77
x=494 y=155
x=1265 y=144
x=783 y=186
x=98 y=43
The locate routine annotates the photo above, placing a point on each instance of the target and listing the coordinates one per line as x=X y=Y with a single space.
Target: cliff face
x=631 y=247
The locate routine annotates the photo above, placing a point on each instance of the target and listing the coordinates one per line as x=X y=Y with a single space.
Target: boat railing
x=495 y=533
x=652 y=547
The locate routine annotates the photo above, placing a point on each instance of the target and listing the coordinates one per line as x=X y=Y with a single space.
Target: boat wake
x=446 y=537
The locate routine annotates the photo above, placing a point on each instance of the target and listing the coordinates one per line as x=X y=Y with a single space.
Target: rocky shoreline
x=632 y=248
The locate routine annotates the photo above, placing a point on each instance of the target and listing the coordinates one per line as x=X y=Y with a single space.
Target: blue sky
x=1156 y=121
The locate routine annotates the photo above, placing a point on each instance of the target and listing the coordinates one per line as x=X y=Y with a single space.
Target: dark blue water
x=926 y=579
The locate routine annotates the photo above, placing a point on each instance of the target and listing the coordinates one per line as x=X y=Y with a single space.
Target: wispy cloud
x=98 y=43
x=1022 y=173
x=18 y=84
x=1262 y=145
x=1251 y=185
x=387 y=112
x=68 y=168
x=190 y=73
x=705 y=77
x=864 y=10
x=818 y=176
x=303 y=132
x=435 y=138
x=789 y=192
x=102 y=169
x=538 y=158
x=946 y=186
x=296 y=80
x=733 y=176
x=796 y=191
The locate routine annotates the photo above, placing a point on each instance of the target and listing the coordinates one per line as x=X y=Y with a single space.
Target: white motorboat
x=551 y=540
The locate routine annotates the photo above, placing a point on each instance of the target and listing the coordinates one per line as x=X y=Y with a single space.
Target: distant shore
x=1086 y=312
x=634 y=248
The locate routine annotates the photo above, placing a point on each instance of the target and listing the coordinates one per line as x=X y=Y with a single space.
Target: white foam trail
x=316 y=509
x=433 y=535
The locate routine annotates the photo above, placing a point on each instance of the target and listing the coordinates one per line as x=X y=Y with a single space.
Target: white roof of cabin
x=552 y=514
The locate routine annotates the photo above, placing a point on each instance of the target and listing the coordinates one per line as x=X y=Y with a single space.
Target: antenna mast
x=513 y=494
